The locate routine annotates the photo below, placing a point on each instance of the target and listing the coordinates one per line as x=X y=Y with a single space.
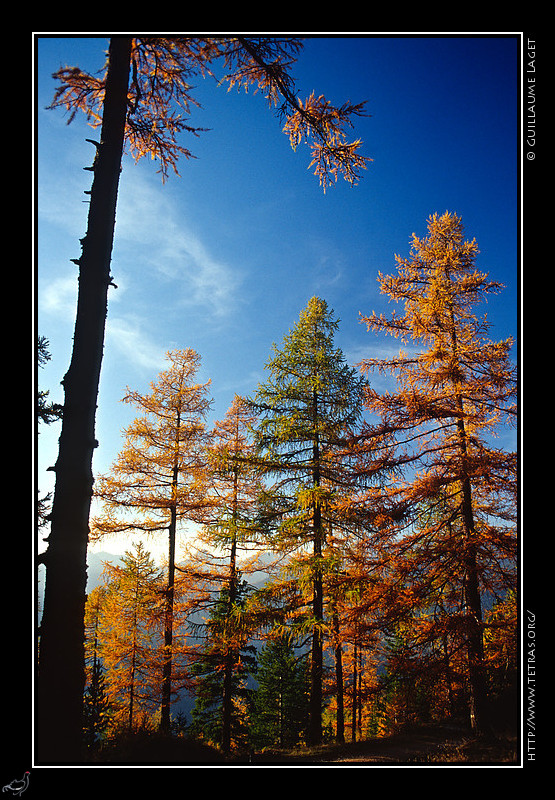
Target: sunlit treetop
x=160 y=92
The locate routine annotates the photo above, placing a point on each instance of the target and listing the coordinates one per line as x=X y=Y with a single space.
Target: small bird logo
x=17 y=787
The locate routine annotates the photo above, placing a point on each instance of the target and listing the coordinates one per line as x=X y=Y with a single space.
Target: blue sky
x=223 y=258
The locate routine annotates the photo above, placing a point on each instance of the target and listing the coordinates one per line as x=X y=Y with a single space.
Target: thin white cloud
x=124 y=334
x=59 y=297
x=329 y=267
x=130 y=341
x=152 y=234
x=151 y=230
x=159 y=266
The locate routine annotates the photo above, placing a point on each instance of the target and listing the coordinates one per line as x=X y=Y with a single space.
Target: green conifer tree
x=96 y=707
x=305 y=410
x=226 y=642
x=280 y=703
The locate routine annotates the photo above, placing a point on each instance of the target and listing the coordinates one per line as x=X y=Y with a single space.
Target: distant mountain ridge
x=95 y=567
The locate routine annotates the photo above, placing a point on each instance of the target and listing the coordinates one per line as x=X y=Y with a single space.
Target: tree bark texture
x=60 y=680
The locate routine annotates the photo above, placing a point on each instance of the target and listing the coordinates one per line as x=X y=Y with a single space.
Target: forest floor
x=431 y=745
x=425 y=745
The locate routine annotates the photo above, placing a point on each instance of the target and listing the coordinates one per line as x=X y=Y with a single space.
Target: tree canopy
x=390 y=515
x=138 y=102
x=160 y=97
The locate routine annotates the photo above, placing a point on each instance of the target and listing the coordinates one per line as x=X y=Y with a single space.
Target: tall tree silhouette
x=61 y=676
x=136 y=101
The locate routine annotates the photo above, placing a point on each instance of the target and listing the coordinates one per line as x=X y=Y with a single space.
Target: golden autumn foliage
x=448 y=516
x=128 y=637
x=141 y=102
x=225 y=545
x=159 y=472
x=161 y=96
x=235 y=481
x=389 y=516
x=158 y=482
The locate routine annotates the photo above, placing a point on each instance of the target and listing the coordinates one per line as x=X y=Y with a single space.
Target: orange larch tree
x=141 y=102
x=235 y=486
x=455 y=387
x=130 y=639
x=158 y=483
x=229 y=532
x=354 y=640
x=96 y=711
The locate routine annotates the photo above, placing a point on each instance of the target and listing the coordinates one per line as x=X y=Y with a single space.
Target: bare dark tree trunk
x=61 y=665
x=231 y=654
x=354 y=700
x=316 y=665
x=339 y=691
x=165 y=720
x=479 y=703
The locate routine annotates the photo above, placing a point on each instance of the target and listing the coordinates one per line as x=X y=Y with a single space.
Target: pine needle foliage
x=158 y=481
x=161 y=98
x=448 y=512
x=305 y=411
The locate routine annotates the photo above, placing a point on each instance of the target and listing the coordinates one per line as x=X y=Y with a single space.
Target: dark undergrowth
x=156 y=749
x=424 y=745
